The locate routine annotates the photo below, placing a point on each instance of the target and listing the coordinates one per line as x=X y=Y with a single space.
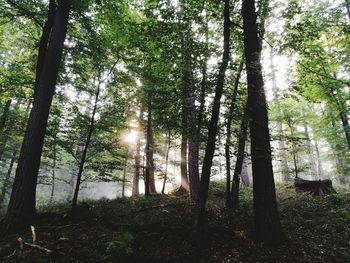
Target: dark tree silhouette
x=266 y=218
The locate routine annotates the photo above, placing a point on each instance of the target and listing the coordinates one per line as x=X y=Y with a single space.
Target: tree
x=210 y=147
x=266 y=218
x=22 y=202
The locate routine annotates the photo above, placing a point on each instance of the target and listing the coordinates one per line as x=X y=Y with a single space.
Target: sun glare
x=130 y=137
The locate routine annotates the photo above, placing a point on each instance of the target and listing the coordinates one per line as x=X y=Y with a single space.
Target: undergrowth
x=160 y=229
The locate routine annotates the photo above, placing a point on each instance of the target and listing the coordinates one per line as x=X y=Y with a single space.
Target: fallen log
x=315 y=188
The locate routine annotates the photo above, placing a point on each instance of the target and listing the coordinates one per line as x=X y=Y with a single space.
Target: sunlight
x=130 y=137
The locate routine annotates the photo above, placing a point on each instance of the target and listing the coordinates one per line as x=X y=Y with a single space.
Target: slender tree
x=242 y=137
x=149 y=175
x=213 y=126
x=228 y=132
x=86 y=144
x=136 y=178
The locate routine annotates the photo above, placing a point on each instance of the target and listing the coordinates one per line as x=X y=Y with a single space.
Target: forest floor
x=159 y=229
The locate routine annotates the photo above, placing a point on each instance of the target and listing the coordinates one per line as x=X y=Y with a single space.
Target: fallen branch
x=34 y=246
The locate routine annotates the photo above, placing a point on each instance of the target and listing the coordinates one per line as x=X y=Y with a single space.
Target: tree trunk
x=266 y=218
x=124 y=173
x=136 y=179
x=242 y=137
x=310 y=154
x=189 y=107
x=21 y=208
x=7 y=178
x=319 y=164
x=166 y=162
x=228 y=133
x=86 y=147
x=53 y=169
x=184 y=189
x=191 y=131
x=3 y=120
x=279 y=126
x=213 y=126
x=346 y=127
x=294 y=150
x=150 y=184
x=44 y=41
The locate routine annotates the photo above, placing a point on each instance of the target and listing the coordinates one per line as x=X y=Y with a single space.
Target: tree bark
x=213 y=126
x=242 y=137
x=3 y=120
x=124 y=173
x=294 y=150
x=228 y=132
x=86 y=147
x=184 y=188
x=279 y=126
x=136 y=179
x=44 y=41
x=266 y=217
x=150 y=187
x=310 y=153
x=188 y=93
x=191 y=131
x=53 y=182
x=7 y=178
x=166 y=162
x=21 y=208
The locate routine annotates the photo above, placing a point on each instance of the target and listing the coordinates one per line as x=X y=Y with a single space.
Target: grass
x=159 y=229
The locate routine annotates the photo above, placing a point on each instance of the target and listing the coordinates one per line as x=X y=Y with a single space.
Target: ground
x=159 y=229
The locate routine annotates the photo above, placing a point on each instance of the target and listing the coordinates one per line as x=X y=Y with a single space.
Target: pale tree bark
x=231 y=112
x=279 y=126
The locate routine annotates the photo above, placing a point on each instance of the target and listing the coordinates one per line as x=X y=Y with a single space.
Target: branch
x=25 y=12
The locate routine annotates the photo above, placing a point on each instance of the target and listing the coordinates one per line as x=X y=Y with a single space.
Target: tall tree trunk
x=213 y=126
x=346 y=127
x=124 y=173
x=3 y=120
x=86 y=147
x=166 y=162
x=184 y=188
x=7 y=178
x=294 y=150
x=188 y=93
x=319 y=163
x=4 y=115
x=310 y=154
x=279 y=126
x=136 y=179
x=266 y=217
x=228 y=132
x=191 y=131
x=21 y=208
x=44 y=41
x=150 y=184
x=53 y=182
x=242 y=137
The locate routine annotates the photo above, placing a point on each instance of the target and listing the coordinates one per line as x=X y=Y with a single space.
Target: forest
x=174 y=131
